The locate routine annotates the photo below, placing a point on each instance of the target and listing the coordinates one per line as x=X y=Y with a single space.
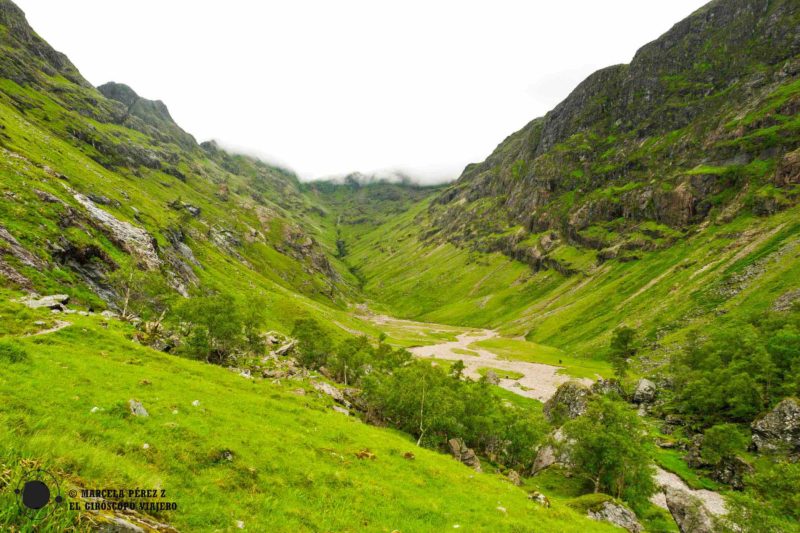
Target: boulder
x=694 y=448
x=514 y=478
x=54 y=301
x=102 y=200
x=607 y=386
x=689 y=512
x=492 y=378
x=286 y=348
x=616 y=514
x=778 y=430
x=464 y=454
x=732 y=471
x=568 y=402
x=137 y=409
x=546 y=456
x=330 y=390
x=539 y=498
x=645 y=391
x=192 y=210
x=549 y=453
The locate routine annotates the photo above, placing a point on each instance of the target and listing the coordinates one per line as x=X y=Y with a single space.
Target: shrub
x=12 y=352
x=721 y=442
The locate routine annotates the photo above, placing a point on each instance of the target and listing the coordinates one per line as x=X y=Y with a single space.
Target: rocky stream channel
x=541 y=382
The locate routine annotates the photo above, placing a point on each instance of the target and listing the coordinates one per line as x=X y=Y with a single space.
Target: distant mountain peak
x=152 y=112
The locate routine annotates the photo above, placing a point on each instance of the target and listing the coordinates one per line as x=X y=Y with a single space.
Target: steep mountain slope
x=703 y=119
x=95 y=180
x=357 y=205
x=661 y=193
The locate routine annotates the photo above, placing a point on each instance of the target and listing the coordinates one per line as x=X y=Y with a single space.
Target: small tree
x=350 y=359
x=722 y=441
x=387 y=358
x=607 y=447
x=142 y=294
x=457 y=369
x=313 y=343
x=623 y=347
x=253 y=316
x=216 y=327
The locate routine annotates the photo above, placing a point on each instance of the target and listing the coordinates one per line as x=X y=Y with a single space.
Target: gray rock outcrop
x=137 y=409
x=688 y=512
x=539 y=498
x=616 y=514
x=778 y=430
x=329 y=390
x=56 y=302
x=550 y=453
x=567 y=403
x=732 y=471
x=133 y=240
x=607 y=386
x=645 y=391
x=464 y=454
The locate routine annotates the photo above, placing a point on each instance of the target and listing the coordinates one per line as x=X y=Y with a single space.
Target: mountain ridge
x=542 y=177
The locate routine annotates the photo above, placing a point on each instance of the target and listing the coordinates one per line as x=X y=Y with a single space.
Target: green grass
x=294 y=466
x=502 y=374
x=536 y=353
x=672 y=461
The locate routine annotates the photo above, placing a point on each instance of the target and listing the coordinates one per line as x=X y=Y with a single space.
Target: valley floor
x=538 y=381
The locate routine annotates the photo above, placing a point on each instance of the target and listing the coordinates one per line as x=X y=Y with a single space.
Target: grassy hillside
x=731 y=268
x=273 y=455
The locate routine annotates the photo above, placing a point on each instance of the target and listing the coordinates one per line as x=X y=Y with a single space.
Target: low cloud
x=428 y=176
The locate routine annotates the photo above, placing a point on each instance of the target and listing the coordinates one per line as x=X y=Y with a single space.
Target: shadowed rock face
x=625 y=146
x=779 y=430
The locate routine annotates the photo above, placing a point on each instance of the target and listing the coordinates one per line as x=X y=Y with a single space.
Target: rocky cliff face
x=702 y=123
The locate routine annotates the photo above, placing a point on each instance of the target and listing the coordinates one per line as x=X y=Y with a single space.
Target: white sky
x=330 y=87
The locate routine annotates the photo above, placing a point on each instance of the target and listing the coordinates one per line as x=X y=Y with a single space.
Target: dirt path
x=711 y=500
x=538 y=380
